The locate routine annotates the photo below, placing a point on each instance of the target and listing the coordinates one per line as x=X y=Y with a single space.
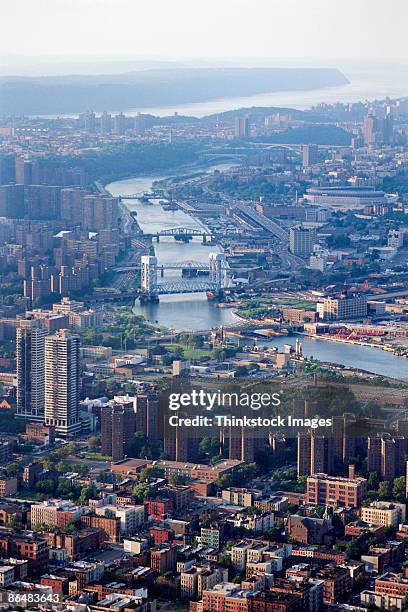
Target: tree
x=93 y=442
x=225 y=561
x=353 y=550
x=254 y=510
x=246 y=473
x=241 y=371
x=61 y=467
x=151 y=472
x=141 y=491
x=45 y=486
x=64 y=488
x=14 y=522
x=215 y=458
x=176 y=479
x=389 y=532
x=209 y=446
x=274 y=534
x=140 y=443
x=384 y=489
x=12 y=469
x=224 y=481
x=341 y=240
x=80 y=468
x=372 y=410
x=88 y=492
x=372 y=480
x=398 y=488
x=302 y=480
x=47 y=462
x=219 y=354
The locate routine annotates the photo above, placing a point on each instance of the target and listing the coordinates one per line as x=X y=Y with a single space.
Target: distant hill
x=158 y=87
x=310 y=134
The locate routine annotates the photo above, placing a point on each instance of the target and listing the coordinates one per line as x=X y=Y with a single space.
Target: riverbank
x=193 y=312
x=387 y=348
x=181 y=312
x=175 y=171
x=353 y=356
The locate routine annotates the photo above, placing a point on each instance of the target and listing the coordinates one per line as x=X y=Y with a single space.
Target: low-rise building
x=323 y=489
x=56 y=513
x=8 y=486
x=132 y=518
x=6 y=575
x=383 y=513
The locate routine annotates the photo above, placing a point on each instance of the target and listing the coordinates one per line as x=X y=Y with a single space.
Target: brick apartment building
x=33 y=548
x=336 y=490
x=108 y=525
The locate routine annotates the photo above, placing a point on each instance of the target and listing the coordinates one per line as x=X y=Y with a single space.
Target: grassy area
x=29 y=495
x=189 y=352
x=97 y=456
x=301 y=304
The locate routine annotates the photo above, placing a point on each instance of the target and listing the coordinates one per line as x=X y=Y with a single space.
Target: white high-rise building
x=62 y=382
x=301 y=240
x=30 y=338
x=148 y=273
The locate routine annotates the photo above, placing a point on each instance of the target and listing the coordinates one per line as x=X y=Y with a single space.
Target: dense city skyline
x=203 y=306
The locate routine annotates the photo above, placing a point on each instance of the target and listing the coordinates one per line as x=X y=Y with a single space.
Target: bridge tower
x=148 y=271
x=217 y=270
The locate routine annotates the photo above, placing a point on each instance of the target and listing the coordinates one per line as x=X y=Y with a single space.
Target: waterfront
x=194 y=312
x=365 y=83
x=363 y=86
x=353 y=355
x=183 y=311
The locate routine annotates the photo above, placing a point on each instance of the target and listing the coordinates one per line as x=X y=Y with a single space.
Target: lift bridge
x=151 y=288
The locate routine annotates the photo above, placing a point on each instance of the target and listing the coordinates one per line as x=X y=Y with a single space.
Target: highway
x=389 y=295
x=264 y=222
x=289 y=261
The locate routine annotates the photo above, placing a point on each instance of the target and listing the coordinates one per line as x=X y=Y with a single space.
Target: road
x=289 y=261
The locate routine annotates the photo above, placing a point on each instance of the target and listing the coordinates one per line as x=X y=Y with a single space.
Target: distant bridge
x=193 y=266
x=183 y=234
x=297 y=148
x=140 y=195
x=289 y=147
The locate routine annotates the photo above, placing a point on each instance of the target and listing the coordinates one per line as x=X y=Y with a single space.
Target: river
x=195 y=312
x=367 y=358
x=365 y=83
x=182 y=311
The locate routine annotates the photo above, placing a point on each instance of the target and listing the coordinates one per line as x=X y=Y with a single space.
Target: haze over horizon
x=203 y=32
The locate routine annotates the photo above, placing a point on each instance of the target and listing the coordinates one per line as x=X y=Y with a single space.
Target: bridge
x=182 y=234
x=187 y=266
x=140 y=195
x=296 y=148
x=151 y=288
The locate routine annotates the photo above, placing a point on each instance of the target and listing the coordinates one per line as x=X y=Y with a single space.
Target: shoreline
x=352 y=342
x=327 y=338
x=173 y=172
x=238 y=319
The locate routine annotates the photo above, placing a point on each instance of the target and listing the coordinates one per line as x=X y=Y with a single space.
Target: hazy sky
x=192 y=29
